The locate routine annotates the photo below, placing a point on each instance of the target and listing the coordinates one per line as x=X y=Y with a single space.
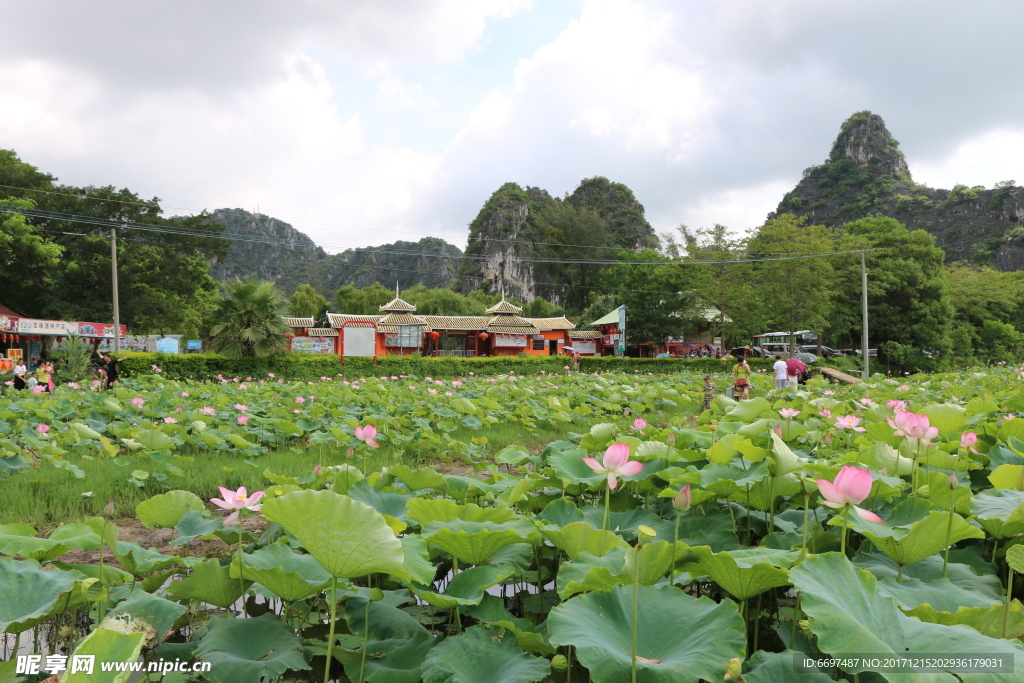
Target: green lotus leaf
x=849 y=616
x=397 y=643
x=726 y=448
x=348 y=538
x=246 y=650
x=783 y=460
x=476 y=542
x=1008 y=477
x=580 y=537
x=158 y=612
x=950 y=419
x=482 y=655
x=1015 y=558
x=107 y=646
x=467 y=587
x=84 y=431
x=491 y=610
x=742 y=579
x=138 y=561
x=561 y=512
x=930 y=569
x=209 y=582
x=391 y=504
x=417 y=480
x=154 y=440
x=30 y=593
x=284 y=572
x=63 y=539
x=762 y=493
x=164 y=511
x=693 y=638
x=192 y=525
x=991 y=620
x=776 y=667
x=650 y=562
x=1000 y=514
x=941 y=594
x=108 y=575
x=925 y=537
x=568 y=465
x=425 y=510
x=726 y=480
x=880 y=455
x=588 y=573
x=417 y=560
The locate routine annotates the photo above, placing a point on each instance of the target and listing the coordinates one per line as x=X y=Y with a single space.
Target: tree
x=653 y=294
x=908 y=296
x=539 y=308
x=25 y=257
x=306 y=302
x=796 y=292
x=246 y=321
x=570 y=231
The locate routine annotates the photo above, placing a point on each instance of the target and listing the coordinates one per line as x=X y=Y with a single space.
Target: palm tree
x=246 y=321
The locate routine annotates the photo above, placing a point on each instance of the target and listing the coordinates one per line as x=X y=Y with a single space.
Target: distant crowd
x=42 y=379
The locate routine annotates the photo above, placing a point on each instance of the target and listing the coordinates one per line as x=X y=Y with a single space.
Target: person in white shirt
x=780 y=373
x=20 y=368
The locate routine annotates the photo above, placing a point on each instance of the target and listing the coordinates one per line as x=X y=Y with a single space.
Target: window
x=538 y=344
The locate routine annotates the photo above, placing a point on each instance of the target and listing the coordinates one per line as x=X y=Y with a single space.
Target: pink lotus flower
x=788 y=412
x=270 y=374
x=208 y=410
x=849 y=422
x=898 y=406
x=913 y=426
x=138 y=401
x=851 y=486
x=170 y=421
x=184 y=394
x=243 y=419
x=300 y=399
x=615 y=463
x=448 y=393
x=682 y=500
x=968 y=441
x=639 y=424
x=431 y=390
x=367 y=435
x=456 y=383
x=904 y=387
x=239 y=406
x=825 y=412
x=42 y=429
x=868 y=402
x=236 y=501
x=38 y=389
x=829 y=392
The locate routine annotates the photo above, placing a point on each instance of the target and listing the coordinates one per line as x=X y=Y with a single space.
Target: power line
x=240 y=237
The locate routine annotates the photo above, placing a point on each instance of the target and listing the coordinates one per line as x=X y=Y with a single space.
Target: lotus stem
x=995 y=548
x=458 y=613
x=949 y=532
x=771 y=504
x=796 y=619
x=607 y=503
x=899 y=574
x=1009 y=595
x=807 y=515
x=330 y=632
x=675 y=540
x=842 y=541
x=757 y=620
x=568 y=665
x=636 y=594
x=732 y=514
x=366 y=635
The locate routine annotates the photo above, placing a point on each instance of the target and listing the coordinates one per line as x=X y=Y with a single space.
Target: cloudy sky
x=362 y=122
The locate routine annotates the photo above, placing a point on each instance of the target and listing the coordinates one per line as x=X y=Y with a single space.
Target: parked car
x=872 y=353
x=826 y=351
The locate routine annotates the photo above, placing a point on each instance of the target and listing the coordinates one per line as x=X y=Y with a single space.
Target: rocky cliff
x=293 y=258
x=866 y=175
x=597 y=219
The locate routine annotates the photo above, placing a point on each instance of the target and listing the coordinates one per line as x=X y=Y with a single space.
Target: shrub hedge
x=297 y=366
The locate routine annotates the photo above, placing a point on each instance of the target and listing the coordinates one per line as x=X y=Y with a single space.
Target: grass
x=45 y=497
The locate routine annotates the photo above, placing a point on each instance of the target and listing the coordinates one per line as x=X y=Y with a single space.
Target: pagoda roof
x=504 y=307
x=298 y=322
x=552 y=323
x=397 y=304
x=402 y=318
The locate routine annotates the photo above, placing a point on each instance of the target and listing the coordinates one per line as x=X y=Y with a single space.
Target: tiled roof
x=394 y=319
x=456 y=322
x=397 y=304
x=551 y=323
x=298 y=322
x=336 y=319
x=504 y=307
x=9 y=313
x=513 y=329
x=321 y=332
x=585 y=334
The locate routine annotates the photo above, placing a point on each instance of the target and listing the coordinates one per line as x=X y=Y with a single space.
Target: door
x=552 y=347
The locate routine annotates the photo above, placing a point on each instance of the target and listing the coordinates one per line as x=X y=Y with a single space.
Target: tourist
x=20 y=369
x=709 y=392
x=32 y=382
x=780 y=369
x=741 y=379
x=43 y=375
x=110 y=368
x=19 y=376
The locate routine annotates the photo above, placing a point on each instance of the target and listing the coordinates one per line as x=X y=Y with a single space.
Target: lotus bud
x=713 y=428
x=953 y=481
x=559 y=663
x=645 y=534
x=108 y=511
x=682 y=500
x=734 y=670
x=318 y=470
x=671 y=437
x=350 y=452
x=778 y=430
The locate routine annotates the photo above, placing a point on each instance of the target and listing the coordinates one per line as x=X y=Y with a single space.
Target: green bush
x=296 y=366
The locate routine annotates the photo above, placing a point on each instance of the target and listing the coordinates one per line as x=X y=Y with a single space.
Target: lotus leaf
x=158 y=612
x=482 y=655
x=245 y=650
x=925 y=537
x=164 y=511
x=284 y=572
x=107 y=645
x=209 y=582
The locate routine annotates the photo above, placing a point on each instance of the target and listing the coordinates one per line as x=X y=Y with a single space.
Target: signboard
x=14 y=353
x=51 y=327
x=167 y=346
x=584 y=346
x=8 y=324
x=360 y=341
x=313 y=344
x=510 y=340
x=6 y=365
x=622 y=329
x=407 y=337
x=194 y=345
x=98 y=330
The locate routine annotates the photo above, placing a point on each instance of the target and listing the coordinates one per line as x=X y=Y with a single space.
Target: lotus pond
x=648 y=541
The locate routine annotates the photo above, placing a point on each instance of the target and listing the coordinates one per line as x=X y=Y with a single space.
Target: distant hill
x=866 y=175
x=300 y=261
x=599 y=218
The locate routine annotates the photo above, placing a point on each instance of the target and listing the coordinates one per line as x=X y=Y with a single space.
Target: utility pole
x=864 y=316
x=113 y=277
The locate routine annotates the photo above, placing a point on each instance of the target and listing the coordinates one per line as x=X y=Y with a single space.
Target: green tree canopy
x=306 y=302
x=656 y=297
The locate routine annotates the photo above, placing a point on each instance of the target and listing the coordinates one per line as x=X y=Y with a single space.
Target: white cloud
x=982 y=160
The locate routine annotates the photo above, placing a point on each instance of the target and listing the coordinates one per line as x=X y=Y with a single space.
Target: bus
x=772 y=343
